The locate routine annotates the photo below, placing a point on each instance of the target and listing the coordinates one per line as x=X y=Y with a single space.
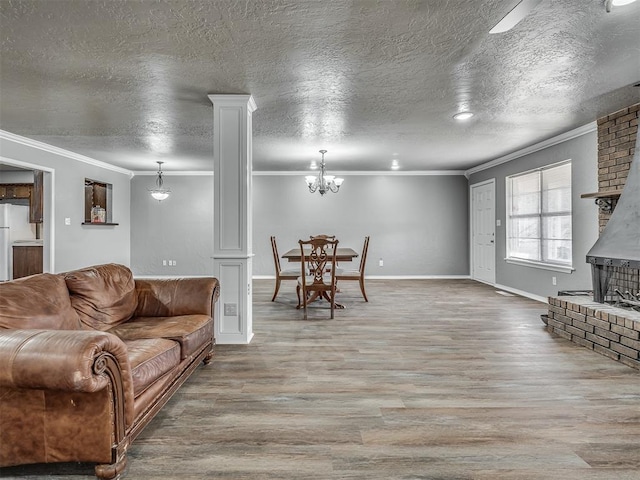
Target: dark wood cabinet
x=27 y=260
x=17 y=191
x=32 y=192
x=35 y=200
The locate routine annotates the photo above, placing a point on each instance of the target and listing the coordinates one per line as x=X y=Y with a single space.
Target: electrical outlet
x=231 y=309
x=164 y=263
x=554 y=280
x=67 y=220
x=381 y=263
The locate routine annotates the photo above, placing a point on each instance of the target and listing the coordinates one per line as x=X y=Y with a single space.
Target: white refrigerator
x=5 y=241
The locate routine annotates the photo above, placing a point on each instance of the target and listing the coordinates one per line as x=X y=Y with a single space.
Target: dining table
x=343 y=254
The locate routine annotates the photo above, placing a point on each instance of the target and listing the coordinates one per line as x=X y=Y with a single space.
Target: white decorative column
x=232 y=244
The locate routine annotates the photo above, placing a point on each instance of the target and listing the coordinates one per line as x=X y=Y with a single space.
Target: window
x=539 y=216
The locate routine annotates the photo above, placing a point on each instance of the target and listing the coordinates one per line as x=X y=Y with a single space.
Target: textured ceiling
x=126 y=82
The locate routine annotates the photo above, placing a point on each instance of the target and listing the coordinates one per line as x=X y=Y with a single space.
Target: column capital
x=235 y=99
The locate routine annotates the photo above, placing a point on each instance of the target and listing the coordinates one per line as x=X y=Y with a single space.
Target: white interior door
x=483 y=234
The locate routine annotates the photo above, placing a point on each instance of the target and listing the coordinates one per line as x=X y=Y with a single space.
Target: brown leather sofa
x=87 y=359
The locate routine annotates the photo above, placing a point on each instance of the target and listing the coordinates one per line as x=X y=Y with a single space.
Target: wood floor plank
x=432 y=379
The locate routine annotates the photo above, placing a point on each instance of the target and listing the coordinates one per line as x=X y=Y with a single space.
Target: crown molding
x=412 y=173
x=28 y=142
x=550 y=142
x=173 y=173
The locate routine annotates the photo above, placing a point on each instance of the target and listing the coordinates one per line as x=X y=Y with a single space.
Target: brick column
x=617 y=135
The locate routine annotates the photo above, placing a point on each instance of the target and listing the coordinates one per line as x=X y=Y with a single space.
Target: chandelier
x=322 y=182
x=160 y=193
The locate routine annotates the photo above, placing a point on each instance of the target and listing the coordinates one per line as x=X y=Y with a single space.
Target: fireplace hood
x=619 y=242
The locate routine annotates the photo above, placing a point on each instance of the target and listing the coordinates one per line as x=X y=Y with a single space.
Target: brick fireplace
x=593 y=323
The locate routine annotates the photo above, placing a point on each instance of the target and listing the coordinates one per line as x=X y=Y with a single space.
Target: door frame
x=491 y=181
x=48 y=197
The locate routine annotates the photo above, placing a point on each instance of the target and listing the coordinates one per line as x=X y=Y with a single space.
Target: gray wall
x=16 y=176
x=418 y=224
x=179 y=228
x=583 y=153
x=76 y=245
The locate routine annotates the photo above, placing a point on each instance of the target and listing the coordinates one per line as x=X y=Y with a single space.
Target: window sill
x=540 y=265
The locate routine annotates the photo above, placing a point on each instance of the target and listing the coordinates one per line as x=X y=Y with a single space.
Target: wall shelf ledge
x=100 y=223
x=606 y=200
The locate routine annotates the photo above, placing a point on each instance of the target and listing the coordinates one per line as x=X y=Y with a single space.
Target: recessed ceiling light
x=463 y=115
x=616 y=3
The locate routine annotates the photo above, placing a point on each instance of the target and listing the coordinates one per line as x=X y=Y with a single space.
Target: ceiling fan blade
x=514 y=17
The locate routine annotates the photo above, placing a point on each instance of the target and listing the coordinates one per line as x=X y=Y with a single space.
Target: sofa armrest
x=176 y=296
x=69 y=360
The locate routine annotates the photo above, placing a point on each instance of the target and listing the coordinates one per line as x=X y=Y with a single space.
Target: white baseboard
x=390 y=277
x=522 y=293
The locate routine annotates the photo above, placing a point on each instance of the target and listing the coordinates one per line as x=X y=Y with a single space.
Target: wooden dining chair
x=356 y=275
x=315 y=282
x=289 y=274
x=326 y=237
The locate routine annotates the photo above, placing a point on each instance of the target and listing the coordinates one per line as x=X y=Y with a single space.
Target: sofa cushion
x=103 y=295
x=191 y=331
x=39 y=301
x=150 y=359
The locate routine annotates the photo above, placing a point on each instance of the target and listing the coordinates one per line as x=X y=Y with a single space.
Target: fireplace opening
x=616 y=285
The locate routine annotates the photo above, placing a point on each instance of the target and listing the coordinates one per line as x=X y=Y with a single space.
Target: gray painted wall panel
x=179 y=228
x=583 y=153
x=418 y=224
x=16 y=177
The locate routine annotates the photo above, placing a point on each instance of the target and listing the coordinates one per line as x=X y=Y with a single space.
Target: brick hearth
x=608 y=330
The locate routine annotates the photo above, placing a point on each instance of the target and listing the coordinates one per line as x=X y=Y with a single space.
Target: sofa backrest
x=103 y=295
x=39 y=301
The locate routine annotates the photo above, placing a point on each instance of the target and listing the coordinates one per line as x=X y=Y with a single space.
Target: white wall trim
x=49 y=262
x=570 y=135
x=522 y=293
x=364 y=173
x=390 y=277
x=302 y=173
x=540 y=265
x=60 y=151
x=175 y=173
x=169 y=277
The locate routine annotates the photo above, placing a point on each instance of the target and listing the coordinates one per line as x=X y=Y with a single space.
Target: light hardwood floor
x=432 y=379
